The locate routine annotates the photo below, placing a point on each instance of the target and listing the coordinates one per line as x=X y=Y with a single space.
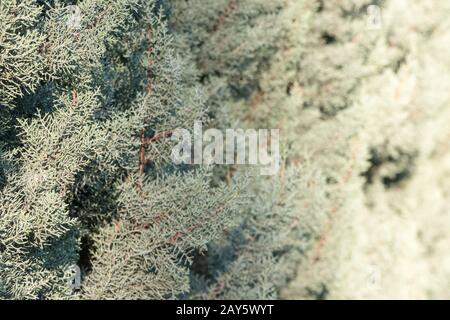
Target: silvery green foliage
x=20 y=45
x=231 y=43
x=247 y=54
x=87 y=105
x=84 y=171
x=146 y=252
x=277 y=225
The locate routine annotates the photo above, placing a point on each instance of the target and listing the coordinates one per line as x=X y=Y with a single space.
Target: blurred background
x=361 y=92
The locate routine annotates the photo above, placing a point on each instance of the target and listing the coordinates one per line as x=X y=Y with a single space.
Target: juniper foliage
x=86 y=171
x=88 y=105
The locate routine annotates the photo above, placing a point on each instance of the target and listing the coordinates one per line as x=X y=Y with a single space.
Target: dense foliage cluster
x=92 y=90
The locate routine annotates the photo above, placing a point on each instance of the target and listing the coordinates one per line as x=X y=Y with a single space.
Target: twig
x=229 y=10
x=158 y=136
x=74 y=98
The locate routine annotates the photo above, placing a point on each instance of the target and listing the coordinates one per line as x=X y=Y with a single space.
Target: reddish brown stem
x=158 y=136
x=229 y=10
x=324 y=234
x=74 y=98
x=142 y=154
x=149 y=87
